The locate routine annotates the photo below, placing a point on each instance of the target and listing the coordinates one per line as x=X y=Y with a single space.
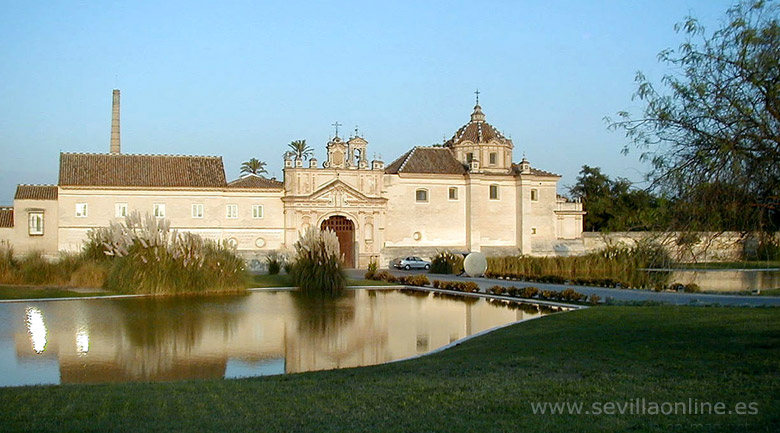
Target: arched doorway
x=345 y=231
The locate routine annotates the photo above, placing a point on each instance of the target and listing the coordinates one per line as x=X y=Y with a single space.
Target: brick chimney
x=115 y=147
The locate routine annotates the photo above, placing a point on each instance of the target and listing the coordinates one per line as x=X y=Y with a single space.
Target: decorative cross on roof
x=356 y=131
x=337 y=124
x=477 y=93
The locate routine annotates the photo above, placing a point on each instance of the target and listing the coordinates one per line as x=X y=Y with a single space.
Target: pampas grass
x=316 y=267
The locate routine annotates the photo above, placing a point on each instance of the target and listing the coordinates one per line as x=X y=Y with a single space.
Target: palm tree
x=253 y=166
x=300 y=149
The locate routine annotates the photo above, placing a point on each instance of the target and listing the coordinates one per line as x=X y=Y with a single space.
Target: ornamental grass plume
x=146 y=256
x=316 y=267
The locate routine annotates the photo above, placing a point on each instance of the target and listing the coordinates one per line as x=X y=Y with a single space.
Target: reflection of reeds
x=611 y=266
x=319 y=315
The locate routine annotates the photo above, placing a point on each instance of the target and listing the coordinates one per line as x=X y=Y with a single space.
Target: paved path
x=604 y=293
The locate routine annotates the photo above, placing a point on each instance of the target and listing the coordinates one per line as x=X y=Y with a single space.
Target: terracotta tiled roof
x=534 y=171
x=434 y=160
x=118 y=170
x=477 y=131
x=255 y=181
x=6 y=217
x=36 y=192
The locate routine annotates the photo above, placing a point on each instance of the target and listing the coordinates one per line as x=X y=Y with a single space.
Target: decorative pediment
x=337 y=193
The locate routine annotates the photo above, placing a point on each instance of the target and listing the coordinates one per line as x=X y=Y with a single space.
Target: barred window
x=232 y=211
x=35 y=224
x=421 y=195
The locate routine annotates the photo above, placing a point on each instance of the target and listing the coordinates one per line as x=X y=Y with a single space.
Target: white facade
x=464 y=196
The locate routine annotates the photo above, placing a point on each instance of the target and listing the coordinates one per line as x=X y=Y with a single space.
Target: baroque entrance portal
x=345 y=231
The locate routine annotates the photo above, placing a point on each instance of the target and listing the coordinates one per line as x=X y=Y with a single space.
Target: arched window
x=421 y=195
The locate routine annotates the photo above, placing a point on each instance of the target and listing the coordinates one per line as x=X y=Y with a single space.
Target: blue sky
x=243 y=79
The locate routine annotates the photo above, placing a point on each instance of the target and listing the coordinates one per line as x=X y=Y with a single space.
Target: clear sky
x=243 y=79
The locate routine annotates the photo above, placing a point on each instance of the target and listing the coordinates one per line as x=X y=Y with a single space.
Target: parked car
x=411 y=262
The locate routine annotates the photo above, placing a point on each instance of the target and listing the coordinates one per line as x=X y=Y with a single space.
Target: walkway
x=604 y=293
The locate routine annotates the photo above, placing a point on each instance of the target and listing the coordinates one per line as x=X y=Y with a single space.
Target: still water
x=262 y=333
x=727 y=280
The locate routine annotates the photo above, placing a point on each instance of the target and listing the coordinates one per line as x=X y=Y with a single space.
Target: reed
x=316 y=268
x=613 y=266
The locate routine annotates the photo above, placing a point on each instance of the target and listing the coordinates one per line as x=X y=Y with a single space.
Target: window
x=197 y=210
x=121 y=210
x=533 y=230
x=453 y=193
x=493 y=158
x=494 y=192
x=159 y=210
x=232 y=211
x=469 y=157
x=35 y=224
x=257 y=211
x=534 y=195
x=421 y=195
x=81 y=210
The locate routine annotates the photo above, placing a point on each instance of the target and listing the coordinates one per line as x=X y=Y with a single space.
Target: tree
x=614 y=205
x=716 y=118
x=253 y=166
x=299 y=149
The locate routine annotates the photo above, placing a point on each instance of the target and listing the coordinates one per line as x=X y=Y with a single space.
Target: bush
x=146 y=256
x=316 y=268
x=372 y=267
x=274 y=262
x=446 y=262
x=497 y=290
x=385 y=276
x=415 y=280
x=91 y=274
x=594 y=299
x=691 y=288
x=529 y=292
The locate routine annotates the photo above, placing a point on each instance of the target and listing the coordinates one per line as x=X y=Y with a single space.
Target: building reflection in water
x=244 y=335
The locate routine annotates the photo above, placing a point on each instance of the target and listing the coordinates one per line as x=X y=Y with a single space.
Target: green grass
x=264 y=281
x=727 y=265
x=661 y=354
x=770 y=292
x=26 y=292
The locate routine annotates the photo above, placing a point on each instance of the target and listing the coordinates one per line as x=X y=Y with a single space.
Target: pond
x=261 y=333
x=726 y=280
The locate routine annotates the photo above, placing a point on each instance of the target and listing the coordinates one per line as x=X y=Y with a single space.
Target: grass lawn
x=285 y=281
x=27 y=292
x=597 y=355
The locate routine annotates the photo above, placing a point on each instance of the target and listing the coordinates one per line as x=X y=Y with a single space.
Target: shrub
x=529 y=292
x=91 y=274
x=372 y=267
x=146 y=256
x=316 y=268
x=35 y=269
x=512 y=291
x=446 y=262
x=385 y=276
x=594 y=299
x=274 y=261
x=691 y=288
x=497 y=290
x=8 y=264
x=415 y=280
x=287 y=267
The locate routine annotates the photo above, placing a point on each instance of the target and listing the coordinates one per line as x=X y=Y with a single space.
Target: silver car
x=411 y=262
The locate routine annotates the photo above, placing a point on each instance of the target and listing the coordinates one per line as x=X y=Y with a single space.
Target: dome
x=478 y=131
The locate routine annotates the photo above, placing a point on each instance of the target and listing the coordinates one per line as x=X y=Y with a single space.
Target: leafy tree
x=614 y=205
x=712 y=131
x=253 y=166
x=299 y=149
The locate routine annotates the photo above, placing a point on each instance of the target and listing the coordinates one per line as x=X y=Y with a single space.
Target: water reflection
x=36 y=328
x=232 y=336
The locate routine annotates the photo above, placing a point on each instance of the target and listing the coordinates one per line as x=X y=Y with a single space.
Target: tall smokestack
x=115 y=148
